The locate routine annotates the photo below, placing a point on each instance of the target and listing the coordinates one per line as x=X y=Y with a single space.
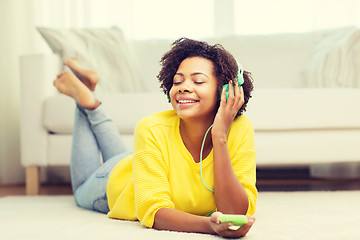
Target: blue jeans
x=96 y=148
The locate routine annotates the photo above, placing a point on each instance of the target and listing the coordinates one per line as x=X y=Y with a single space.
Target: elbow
x=240 y=209
x=239 y=206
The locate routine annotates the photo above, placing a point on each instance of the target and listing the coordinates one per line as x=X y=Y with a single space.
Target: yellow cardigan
x=162 y=173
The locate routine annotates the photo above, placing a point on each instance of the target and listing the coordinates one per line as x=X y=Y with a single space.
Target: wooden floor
x=300 y=179
x=308 y=185
x=262 y=185
x=267 y=180
x=15 y=190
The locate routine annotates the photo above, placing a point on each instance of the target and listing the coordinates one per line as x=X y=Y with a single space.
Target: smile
x=186 y=101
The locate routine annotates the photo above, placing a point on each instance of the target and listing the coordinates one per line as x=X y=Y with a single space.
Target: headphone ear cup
x=240 y=77
x=240 y=74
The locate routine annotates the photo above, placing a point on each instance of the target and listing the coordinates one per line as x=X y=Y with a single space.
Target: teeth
x=186 y=101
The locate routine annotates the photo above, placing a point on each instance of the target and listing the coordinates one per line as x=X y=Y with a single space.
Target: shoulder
x=153 y=131
x=241 y=140
x=242 y=122
x=160 y=119
x=240 y=128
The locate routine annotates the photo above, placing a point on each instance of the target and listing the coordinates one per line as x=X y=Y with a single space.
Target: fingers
x=221 y=228
x=215 y=217
x=231 y=92
x=242 y=231
x=224 y=230
x=245 y=228
x=228 y=230
x=223 y=99
x=235 y=91
x=235 y=96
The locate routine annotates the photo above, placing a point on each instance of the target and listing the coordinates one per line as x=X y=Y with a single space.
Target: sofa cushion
x=306 y=147
x=149 y=53
x=275 y=60
x=334 y=61
x=125 y=109
x=104 y=50
x=265 y=56
x=286 y=60
x=269 y=109
x=292 y=109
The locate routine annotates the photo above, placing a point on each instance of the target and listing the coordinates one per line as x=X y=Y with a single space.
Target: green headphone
x=239 y=78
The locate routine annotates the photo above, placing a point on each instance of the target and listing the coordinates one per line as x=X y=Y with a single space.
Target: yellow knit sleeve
x=243 y=158
x=151 y=185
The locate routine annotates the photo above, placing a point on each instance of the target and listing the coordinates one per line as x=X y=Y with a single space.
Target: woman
x=174 y=180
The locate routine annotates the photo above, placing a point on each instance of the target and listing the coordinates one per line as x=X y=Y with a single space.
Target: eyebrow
x=193 y=74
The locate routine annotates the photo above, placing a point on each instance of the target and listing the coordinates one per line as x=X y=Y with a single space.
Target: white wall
x=12 y=43
x=276 y=16
x=18 y=19
x=140 y=19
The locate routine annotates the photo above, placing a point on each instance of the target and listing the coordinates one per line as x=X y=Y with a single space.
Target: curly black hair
x=225 y=66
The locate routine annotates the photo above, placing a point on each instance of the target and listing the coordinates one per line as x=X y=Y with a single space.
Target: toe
x=60 y=75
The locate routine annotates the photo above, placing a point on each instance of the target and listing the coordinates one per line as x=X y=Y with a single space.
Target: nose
x=185 y=87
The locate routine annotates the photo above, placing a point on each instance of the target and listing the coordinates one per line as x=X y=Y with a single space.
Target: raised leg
x=85 y=153
x=106 y=133
x=93 y=132
x=79 y=87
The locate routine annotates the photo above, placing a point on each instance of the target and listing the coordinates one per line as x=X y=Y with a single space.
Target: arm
x=167 y=218
x=175 y=220
x=230 y=194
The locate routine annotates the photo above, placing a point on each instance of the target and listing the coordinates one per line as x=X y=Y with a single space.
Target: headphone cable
x=201 y=151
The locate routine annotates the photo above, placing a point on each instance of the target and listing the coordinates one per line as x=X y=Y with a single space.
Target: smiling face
x=194 y=91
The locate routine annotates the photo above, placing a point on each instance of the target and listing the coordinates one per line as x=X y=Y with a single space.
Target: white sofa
x=296 y=122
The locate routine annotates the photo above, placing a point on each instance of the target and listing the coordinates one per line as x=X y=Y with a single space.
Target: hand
x=223 y=230
x=228 y=109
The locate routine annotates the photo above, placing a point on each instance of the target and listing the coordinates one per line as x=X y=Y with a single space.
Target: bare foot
x=68 y=84
x=88 y=77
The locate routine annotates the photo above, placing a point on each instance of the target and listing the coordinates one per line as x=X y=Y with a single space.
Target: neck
x=192 y=134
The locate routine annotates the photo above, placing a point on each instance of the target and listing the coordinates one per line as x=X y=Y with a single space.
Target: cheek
x=172 y=95
x=214 y=98
x=212 y=94
x=172 y=92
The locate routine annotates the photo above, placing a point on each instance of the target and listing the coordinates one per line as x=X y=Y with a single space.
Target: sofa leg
x=32 y=180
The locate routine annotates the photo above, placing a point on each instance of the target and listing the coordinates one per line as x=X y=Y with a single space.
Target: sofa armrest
x=36 y=73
